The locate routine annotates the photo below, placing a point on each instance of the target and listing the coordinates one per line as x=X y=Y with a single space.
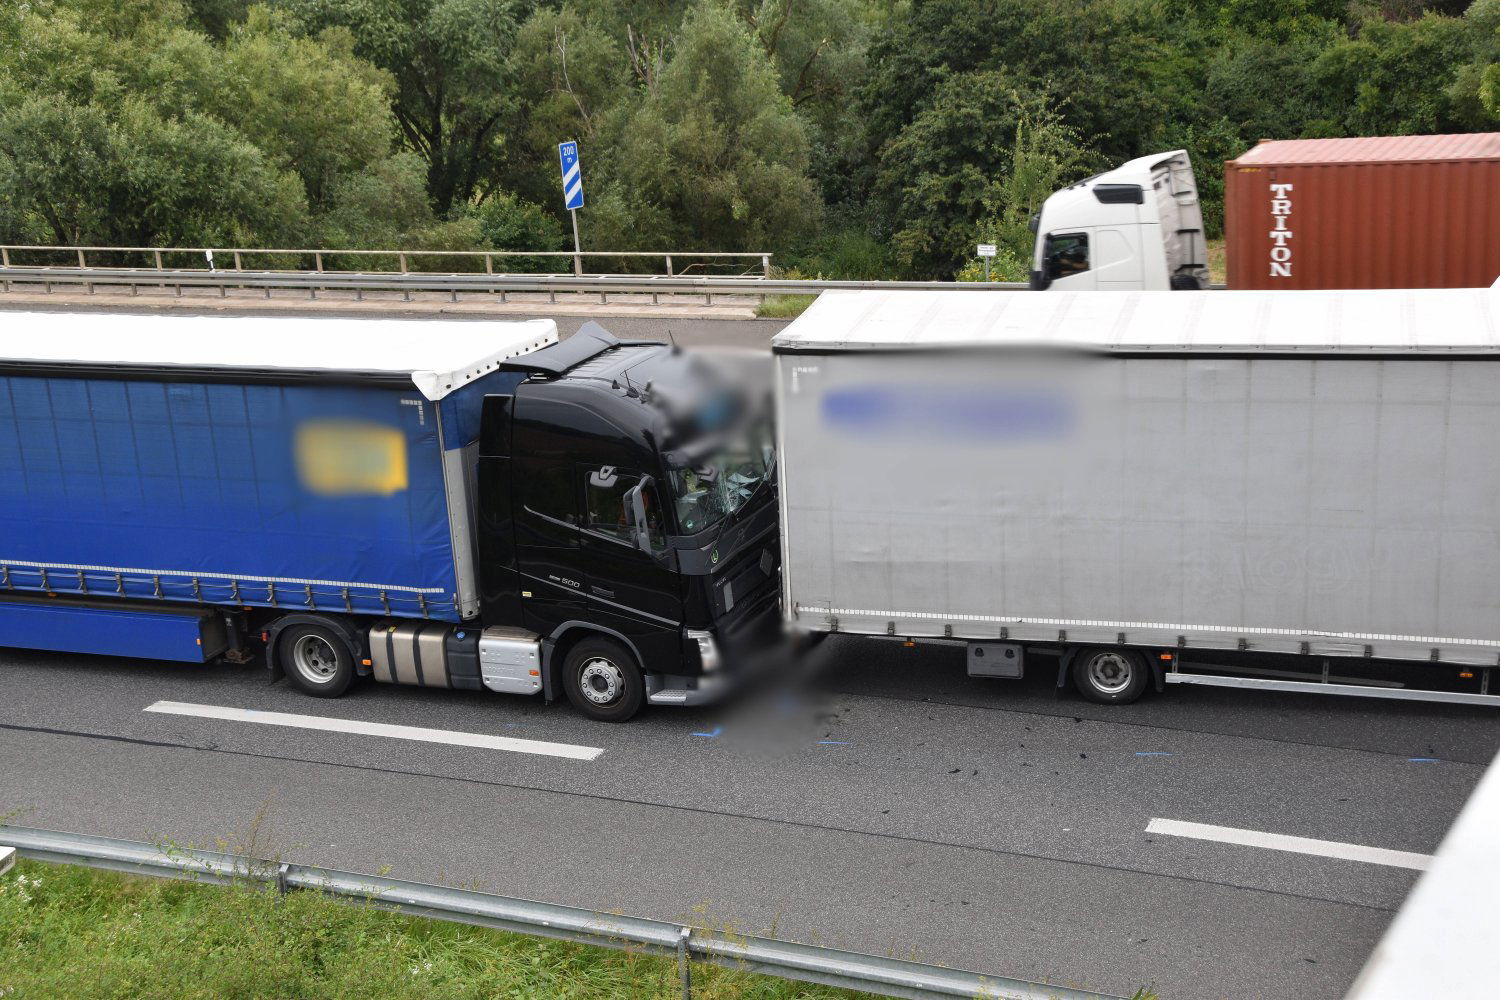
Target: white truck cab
x=1138 y=226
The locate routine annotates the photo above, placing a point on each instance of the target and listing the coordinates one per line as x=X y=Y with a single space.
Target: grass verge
x=1218 y=262
x=783 y=306
x=81 y=933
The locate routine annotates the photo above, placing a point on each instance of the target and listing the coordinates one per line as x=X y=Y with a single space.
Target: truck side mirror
x=635 y=514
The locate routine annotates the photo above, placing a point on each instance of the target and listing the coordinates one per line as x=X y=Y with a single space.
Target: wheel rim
x=1110 y=673
x=602 y=682
x=315 y=659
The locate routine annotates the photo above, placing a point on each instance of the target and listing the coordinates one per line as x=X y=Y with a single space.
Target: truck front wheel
x=1109 y=676
x=603 y=681
x=315 y=659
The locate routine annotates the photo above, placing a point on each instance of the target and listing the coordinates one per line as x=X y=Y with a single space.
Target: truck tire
x=316 y=659
x=603 y=681
x=1109 y=676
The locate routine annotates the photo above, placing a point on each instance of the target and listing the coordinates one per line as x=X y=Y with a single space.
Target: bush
x=508 y=223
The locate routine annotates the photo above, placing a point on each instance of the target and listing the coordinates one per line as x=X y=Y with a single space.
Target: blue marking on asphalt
x=1424 y=760
x=713 y=735
x=833 y=743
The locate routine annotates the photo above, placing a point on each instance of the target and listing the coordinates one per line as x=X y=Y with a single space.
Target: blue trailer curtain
x=303 y=495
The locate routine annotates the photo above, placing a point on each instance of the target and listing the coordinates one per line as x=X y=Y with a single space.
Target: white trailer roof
x=1441 y=320
x=437 y=355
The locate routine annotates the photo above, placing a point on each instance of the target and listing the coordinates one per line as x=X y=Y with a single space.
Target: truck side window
x=604 y=505
x=1067 y=253
x=548 y=492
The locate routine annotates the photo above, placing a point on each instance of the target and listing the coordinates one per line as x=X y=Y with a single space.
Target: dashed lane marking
x=484 y=740
x=1296 y=845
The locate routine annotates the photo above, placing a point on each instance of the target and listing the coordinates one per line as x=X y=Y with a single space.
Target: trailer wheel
x=603 y=681
x=1109 y=676
x=316 y=659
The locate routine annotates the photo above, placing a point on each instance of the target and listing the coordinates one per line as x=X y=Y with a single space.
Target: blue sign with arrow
x=572 y=175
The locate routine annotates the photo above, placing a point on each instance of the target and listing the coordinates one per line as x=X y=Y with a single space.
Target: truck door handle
x=602 y=592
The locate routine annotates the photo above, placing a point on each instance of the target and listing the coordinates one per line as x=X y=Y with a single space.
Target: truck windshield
x=711 y=490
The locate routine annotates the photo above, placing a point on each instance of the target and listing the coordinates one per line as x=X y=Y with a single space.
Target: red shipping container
x=1413 y=211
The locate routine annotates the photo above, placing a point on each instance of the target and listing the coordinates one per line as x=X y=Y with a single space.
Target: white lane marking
x=1283 y=842
x=514 y=745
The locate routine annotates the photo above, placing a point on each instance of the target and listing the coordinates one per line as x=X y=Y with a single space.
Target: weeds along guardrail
x=805 y=963
x=602 y=285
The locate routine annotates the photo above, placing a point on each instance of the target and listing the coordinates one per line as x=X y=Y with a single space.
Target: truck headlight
x=708 y=650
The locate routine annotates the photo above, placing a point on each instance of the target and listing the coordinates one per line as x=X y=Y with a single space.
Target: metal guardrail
x=887 y=976
x=360 y=282
x=402 y=258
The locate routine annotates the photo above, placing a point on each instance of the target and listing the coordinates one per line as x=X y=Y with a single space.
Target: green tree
x=573 y=72
x=940 y=123
x=135 y=177
x=217 y=17
x=378 y=206
x=238 y=126
x=712 y=154
x=309 y=103
x=1401 y=78
x=1046 y=155
x=1477 y=85
x=450 y=61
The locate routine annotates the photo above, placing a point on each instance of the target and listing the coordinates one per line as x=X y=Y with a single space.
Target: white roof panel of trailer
x=1435 y=320
x=437 y=355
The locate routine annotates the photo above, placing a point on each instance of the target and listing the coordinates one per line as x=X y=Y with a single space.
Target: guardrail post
x=4 y=257
x=237 y=266
x=669 y=265
x=684 y=962
x=765 y=265
x=81 y=261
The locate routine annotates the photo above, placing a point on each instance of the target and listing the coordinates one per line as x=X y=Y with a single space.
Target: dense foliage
x=856 y=138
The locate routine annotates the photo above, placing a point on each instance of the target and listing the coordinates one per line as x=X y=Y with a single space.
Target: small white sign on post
x=986 y=251
x=7 y=858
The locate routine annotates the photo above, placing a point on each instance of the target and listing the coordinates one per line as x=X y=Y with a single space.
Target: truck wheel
x=1109 y=676
x=603 y=681
x=316 y=660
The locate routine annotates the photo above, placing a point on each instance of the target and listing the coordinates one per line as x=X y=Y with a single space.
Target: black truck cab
x=627 y=520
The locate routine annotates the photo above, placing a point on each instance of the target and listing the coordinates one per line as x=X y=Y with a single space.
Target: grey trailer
x=1153 y=487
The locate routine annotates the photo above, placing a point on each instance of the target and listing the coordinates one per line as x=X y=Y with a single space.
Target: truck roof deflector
x=590 y=340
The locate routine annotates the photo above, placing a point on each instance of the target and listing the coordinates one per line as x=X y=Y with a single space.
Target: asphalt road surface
x=909 y=810
x=685 y=325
